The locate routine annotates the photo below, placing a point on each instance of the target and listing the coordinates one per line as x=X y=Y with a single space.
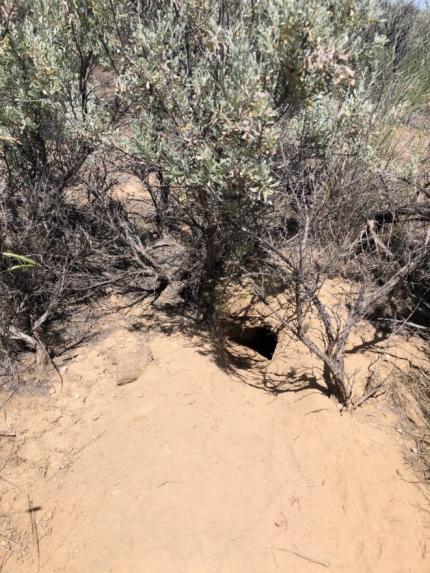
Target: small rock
x=170 y=256
x=131 y=366
x=171 y=296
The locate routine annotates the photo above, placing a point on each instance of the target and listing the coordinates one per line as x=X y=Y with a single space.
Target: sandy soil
x=186 y=468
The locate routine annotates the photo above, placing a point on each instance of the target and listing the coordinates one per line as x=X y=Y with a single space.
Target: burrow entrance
x=262 y=339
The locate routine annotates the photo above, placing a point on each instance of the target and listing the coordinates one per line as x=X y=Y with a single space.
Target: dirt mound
x=188 y=469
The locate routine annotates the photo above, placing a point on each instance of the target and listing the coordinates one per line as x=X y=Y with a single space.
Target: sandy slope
x=190 y=470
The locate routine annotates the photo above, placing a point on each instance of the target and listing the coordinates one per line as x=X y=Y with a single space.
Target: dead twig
x=31 y=510
x=297 y=554
x=368 y=395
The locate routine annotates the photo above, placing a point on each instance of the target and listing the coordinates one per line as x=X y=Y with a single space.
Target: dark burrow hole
x=259 y=338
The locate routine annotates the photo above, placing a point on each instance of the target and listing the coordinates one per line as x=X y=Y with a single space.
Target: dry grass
x=409 y=394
